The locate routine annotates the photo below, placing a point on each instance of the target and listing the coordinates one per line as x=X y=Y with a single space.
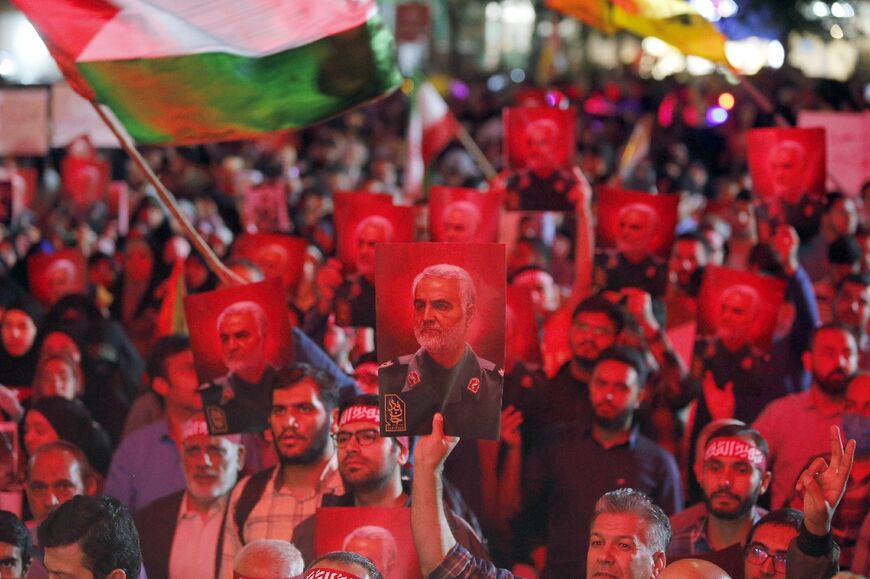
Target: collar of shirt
x=328 y=483
x=809 y=404
x=188 y=512
x=632 y=437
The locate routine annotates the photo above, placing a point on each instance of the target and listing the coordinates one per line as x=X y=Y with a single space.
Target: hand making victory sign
x=823 y=484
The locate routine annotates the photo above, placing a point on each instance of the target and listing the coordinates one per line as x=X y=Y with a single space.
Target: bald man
x=693 y=569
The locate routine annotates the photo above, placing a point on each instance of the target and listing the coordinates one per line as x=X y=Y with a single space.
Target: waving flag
x=190 y=71
x=431 y=127
x=673 y=21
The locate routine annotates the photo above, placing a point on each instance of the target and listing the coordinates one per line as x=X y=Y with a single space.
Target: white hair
x=245 y=307
x=547 y=126
x=377 y=222
x=791 y=146
x=742 y=290
x=640 y=208
x=374 y=533
x=466 y=207
x=449 y=271
x=269 y=558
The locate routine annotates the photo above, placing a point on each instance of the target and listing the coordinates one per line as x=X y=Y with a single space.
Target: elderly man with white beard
x=444 y=375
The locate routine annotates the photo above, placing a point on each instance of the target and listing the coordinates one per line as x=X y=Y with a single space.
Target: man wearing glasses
x=370 y=467
x=801 y=542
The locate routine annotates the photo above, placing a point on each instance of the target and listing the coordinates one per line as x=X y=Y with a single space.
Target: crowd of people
x=619 y=454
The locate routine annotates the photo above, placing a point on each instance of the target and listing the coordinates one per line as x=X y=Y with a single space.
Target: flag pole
x=488 y=170
x=759 y=98
x=214 y=263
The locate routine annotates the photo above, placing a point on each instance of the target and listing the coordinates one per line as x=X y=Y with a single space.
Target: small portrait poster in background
x=440 y=338
x=240 y=338
x=383 y=535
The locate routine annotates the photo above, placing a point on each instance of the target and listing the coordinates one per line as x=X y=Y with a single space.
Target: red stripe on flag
x=437 y=136
x=68 y=25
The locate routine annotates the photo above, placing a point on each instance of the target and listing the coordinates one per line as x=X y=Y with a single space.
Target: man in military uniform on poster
x=444 y=375
x=632 y=263
x=355 y=297
x=543 y=185
x=240 y=400
x=727 y=361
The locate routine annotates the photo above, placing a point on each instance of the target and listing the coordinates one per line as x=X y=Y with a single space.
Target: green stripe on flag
x=219 y=96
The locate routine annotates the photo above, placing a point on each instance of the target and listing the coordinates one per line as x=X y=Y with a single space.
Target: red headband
x=360 y=413
x=236 y=575
x=736 y=448
x=324 y=573
x=370 y=414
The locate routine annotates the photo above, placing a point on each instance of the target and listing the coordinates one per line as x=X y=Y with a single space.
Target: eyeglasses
x=756 y=555
x=363 y=437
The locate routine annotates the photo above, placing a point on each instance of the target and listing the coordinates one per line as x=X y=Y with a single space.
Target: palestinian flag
x=431 y=127
x=192 y=71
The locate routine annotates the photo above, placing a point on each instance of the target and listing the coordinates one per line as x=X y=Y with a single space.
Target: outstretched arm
x=432 y=535
x=584 y=251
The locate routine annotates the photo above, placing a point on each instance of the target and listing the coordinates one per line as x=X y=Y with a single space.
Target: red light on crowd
x=726 y=101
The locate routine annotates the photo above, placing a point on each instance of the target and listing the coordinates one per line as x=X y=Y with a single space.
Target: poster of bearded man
x=441 y=321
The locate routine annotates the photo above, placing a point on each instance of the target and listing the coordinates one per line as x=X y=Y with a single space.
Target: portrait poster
x=539 y=152
x=520 y=153
x=23 y=122
x=277 y=255
x=440 y=342
x=787 y=164
x=521 y=330
x=847 y=147
x=764 y=294
x=462 y=215
x=383 y=535
x=84 y=174
x=54 y=275
x=629 y=219
x=264 y=208
x=372 y=216
x=240 y=337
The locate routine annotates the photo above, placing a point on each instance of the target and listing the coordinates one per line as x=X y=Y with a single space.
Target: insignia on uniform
x=808 y=211
x=651 y=271
x=217 y=419
x=746 y=364
x=394 y=414
x=386 y=364
x=413 y=379
x=227 y=394
x=474 y=385
x=527 y=382
x=501 y=372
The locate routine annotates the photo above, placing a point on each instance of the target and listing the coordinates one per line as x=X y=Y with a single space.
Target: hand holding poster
x=737 y=315
x=240 y=337
x=440 y=310
x=539 y=152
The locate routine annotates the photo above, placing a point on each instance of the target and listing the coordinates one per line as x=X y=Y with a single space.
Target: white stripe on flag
x=157 y=28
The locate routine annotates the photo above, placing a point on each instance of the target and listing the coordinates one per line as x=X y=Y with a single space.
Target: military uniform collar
x=462 y=383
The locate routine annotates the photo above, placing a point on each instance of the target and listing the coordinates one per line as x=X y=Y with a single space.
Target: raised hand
x=720 y=401
x=823 y=484
x=432 y=449
x=511 y=419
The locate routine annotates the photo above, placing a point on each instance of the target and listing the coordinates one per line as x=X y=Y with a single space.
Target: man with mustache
x=444 y=375
x=582 y=461
x=271 y=503
x=796 y=426
x=239 y=401
x=180 y=533
x=734 y=474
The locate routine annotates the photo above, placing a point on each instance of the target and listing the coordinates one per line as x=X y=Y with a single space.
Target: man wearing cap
x=180 y=534
x=371 y=470
x=444 y=375
x=734 y=474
